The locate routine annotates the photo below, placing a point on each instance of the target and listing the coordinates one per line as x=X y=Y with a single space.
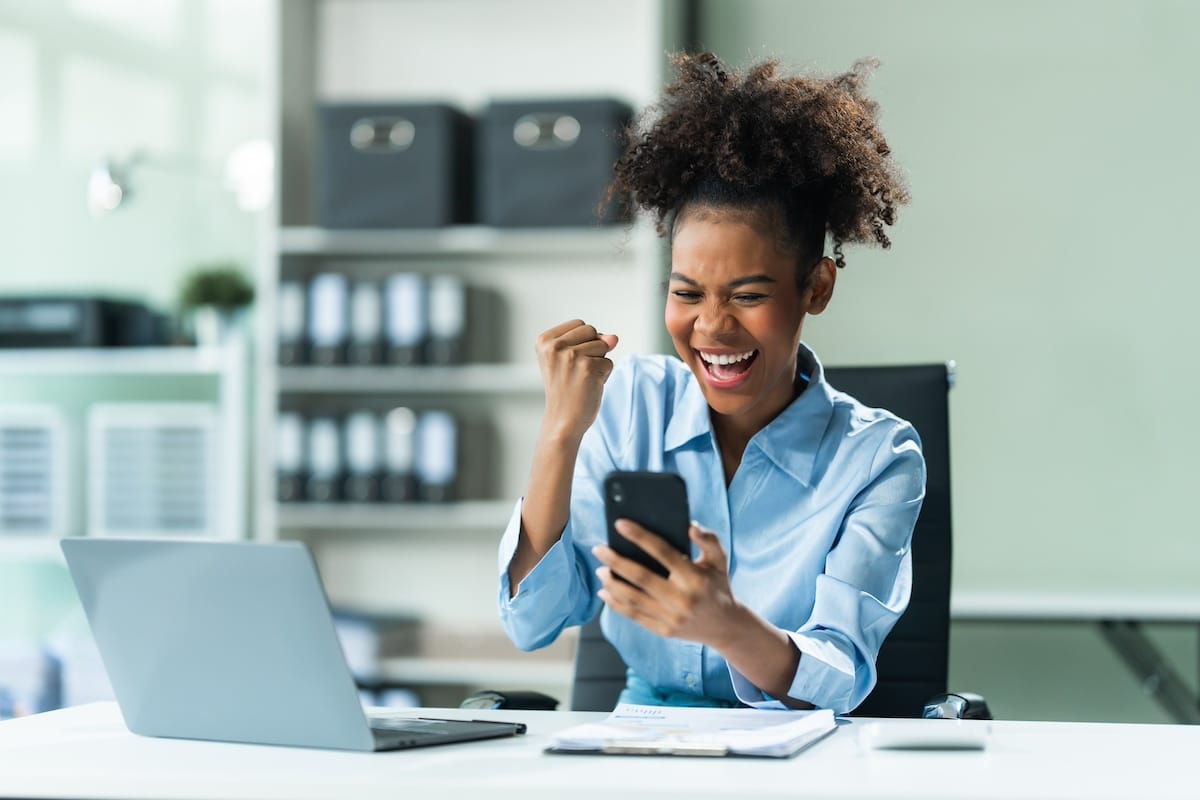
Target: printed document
x=668 y=730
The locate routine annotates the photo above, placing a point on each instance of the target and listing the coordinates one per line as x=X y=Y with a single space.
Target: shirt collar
x=690 y=416
x=791 y=440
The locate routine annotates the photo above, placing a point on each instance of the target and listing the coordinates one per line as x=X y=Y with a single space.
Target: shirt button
x=691 y=680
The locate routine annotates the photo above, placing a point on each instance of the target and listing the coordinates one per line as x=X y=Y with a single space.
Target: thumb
x=609 y=339
x=711 y=551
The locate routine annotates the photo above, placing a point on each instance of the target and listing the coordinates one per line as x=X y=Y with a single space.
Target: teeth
x=709 y=358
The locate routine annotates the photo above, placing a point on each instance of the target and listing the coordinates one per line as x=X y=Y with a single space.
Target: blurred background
x=273 y=270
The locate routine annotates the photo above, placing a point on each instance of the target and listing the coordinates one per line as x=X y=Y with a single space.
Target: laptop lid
x=219 y=640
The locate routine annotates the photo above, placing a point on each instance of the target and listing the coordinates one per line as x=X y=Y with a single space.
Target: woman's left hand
x=694 y=602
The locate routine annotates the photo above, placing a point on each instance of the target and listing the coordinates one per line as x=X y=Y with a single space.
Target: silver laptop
x=233 y=641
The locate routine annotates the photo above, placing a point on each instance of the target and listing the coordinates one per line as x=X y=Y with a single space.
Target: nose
x=714 y=320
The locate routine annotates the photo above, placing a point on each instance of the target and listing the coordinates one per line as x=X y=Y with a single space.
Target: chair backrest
x=599 y=671
x=913 y=661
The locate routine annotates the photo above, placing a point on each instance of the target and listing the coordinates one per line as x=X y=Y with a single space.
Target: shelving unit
x=330 y=51
x=498 y=404
x=464 y=240
x=611 y=276
x=227 y=364
x=391 y=520
x=469 y=378
x=114 y=361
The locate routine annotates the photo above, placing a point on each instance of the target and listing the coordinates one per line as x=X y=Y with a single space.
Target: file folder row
x=398 y=456
x=405 y=319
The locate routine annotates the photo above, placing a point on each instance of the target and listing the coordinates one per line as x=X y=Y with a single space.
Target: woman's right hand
x=574 y=364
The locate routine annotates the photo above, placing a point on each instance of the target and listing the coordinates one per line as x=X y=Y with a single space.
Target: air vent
x=32 y=470
x=152 y=469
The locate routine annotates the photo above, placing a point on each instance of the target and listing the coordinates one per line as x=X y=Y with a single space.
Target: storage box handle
x=546 y=131
x=382 y=134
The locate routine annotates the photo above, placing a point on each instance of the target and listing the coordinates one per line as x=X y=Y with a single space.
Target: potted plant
x=212 y=296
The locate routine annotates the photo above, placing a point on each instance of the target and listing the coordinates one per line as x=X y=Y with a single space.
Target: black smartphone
x=655 y=500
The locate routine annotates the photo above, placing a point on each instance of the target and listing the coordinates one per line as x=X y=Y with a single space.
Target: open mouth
x=727 y=367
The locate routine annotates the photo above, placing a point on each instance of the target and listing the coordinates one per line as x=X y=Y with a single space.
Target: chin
x=728 y=406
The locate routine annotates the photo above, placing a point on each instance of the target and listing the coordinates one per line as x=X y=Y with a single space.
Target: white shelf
x=113 y=361
x=15 y=546
x=469 y=515
x=473 y=240
x=475 y=378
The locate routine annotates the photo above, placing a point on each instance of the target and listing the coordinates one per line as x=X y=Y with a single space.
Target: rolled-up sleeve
x=865 y=586
x=560 y=591
x=557 y=593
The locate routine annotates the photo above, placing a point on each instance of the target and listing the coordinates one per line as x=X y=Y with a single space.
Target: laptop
x=234 y=642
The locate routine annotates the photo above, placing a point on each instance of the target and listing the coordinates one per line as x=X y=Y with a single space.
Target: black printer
x=49 y=321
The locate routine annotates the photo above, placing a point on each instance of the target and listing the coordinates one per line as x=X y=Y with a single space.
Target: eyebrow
x=733 y=284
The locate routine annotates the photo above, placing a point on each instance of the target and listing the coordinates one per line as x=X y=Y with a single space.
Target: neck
x=731 y=444
x=733 y=433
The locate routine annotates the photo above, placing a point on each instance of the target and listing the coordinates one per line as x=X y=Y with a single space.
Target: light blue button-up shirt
x=817 y=523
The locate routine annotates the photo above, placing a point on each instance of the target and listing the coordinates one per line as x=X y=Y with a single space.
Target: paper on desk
x=700 y=731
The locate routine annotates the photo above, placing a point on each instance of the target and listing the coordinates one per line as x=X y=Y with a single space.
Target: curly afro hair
x=805 y=149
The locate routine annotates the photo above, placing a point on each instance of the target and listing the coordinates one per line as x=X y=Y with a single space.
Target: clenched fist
x=574 y=362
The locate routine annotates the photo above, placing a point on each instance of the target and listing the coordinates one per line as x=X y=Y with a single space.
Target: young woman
x=804 y=500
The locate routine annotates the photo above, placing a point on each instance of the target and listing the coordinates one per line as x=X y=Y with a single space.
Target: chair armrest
x=957 y=705
x=524 y=700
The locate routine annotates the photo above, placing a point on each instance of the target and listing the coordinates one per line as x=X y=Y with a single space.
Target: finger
x=561 y=328
x=640 y=616
x=645 y=579
x=709 y=544
x=603 y=367
x=659 y=548
x=639 y=607
x=658 y=608
x=579 y=334
x=609 y=340
x=595 y=347
x=624 y=592
x=616 y=587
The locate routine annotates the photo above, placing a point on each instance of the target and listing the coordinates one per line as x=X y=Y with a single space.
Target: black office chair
x=913 y=662
x=914 y=658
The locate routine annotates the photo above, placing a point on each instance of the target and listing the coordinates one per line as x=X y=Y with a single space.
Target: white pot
x=213 y=326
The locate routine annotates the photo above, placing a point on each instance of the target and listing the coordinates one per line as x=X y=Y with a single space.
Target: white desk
x=1119 y=617
x=85 y=752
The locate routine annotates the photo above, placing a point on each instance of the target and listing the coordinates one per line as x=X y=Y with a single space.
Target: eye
x=685 y=296
x=749 y=298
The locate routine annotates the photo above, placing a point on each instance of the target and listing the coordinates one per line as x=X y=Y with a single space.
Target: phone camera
x=617 y=493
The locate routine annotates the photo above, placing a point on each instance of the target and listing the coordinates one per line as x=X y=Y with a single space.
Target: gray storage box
x=548 y=162
x=393 y=166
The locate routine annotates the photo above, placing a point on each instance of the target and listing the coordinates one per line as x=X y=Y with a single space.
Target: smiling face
x=735 y=313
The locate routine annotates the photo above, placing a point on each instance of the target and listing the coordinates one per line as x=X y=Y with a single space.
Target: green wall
x=1049 y=149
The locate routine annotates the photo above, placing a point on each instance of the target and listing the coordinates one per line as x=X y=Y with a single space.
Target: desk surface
x=85 y=752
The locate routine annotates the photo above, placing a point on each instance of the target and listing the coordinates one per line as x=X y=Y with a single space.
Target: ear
x=820 y=285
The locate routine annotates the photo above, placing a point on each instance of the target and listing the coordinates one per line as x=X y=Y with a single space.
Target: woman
x=804 y=499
